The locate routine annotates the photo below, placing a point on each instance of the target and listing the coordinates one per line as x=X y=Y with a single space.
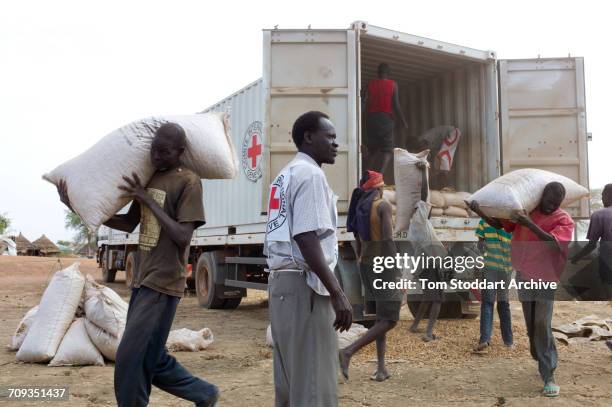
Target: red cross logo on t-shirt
x=274 y=201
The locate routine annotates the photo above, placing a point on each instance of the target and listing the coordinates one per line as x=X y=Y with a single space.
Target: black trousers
x=142 y=358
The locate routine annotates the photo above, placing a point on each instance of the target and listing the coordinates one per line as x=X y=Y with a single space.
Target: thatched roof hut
x=24 y=246
x=46 y=246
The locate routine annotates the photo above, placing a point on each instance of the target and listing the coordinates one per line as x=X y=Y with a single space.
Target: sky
x=73 y=71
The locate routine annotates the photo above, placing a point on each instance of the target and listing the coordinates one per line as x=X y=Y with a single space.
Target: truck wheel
x=204 y=282
x=108 y=276
x=232 y=303
x=130 y=268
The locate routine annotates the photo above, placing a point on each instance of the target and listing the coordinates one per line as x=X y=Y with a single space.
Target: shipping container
x=527 y=113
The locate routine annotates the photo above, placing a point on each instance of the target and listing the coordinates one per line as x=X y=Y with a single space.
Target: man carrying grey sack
x=302 y=250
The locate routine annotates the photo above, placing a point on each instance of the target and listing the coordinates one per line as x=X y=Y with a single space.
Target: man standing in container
x=302 y=250
x=381 y=99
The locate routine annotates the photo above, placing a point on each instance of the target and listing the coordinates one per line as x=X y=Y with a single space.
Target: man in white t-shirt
x=306 y=302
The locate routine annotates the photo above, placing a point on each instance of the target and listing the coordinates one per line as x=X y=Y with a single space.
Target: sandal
x=551 y=390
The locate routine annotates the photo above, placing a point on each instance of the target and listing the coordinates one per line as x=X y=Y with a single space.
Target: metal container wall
x=236 y=202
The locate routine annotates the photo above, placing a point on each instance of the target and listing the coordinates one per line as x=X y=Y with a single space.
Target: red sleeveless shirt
x=380 y=95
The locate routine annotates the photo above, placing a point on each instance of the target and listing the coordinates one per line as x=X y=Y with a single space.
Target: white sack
x=348 y=337
x=522 y=190
x=187 y=340
x=76 y=348
x=106 y=343
x=22 y=329
x=92 y=177
x=344 y=338
x=422 y=234
x=104 y=307
x=408 y=182
x=56 y=311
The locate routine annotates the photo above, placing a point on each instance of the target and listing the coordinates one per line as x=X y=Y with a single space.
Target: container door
x=543 y=118
x=310 y=70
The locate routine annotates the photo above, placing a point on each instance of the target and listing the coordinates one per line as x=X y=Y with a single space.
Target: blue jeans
x=142 y=358
x=487 y=302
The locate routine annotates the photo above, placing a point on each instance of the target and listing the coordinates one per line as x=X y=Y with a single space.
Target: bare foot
x=428 y=338
x=380 y=375
x=414 y=329
x=345 y=360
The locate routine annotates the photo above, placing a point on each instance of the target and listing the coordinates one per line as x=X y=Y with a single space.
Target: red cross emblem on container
x=252 y=151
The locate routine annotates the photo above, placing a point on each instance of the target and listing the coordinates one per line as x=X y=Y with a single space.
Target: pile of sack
x=92 y=177
x=80 y=322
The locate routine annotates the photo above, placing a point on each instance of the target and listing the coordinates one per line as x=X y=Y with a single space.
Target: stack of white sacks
x=80 y=322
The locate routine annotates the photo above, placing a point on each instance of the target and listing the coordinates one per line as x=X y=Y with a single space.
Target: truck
x=521 y=113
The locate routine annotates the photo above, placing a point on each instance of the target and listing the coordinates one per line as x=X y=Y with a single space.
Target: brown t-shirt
x=161 y=261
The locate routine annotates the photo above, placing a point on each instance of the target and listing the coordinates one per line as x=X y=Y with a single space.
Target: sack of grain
x=106 y=343
x=455 y=198
x=522 y=190
x=422 y=234
x=437 y=212
x=348 y=337
x=104 y=307
x=344 y=338
x=408 y=184
x=55 y=313
x=455 y=212
x=23 y=328
x=436 y=199
x=76 y=349
x=92 y=177
x=187 y=340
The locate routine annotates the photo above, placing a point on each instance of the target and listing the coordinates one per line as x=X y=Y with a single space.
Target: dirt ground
x=425 y=374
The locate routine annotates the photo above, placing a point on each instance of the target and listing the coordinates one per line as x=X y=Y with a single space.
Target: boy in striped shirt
x=498 y=267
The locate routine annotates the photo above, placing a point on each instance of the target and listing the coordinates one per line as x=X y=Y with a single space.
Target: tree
x=83 y=234
x=64 y=243
x=5 y=223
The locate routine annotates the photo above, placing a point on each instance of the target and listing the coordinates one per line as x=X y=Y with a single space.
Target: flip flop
x=551 y=390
